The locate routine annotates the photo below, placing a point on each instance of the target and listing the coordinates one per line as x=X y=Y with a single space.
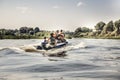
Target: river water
x=90 y=59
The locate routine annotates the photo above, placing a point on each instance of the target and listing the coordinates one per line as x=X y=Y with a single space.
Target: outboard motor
x=39 y=47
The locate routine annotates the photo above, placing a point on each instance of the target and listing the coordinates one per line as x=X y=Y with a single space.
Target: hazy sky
x=57 y=14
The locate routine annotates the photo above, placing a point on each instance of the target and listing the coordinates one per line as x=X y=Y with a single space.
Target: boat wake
x=53 y=52
x=32 y=48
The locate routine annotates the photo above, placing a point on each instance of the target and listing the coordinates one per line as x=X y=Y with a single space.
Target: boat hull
x=60 y=45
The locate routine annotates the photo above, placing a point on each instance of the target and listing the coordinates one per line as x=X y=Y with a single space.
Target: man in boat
x=61 y=37
x=49 y=43
x=53 y=39
x=57 y=34
x=58 y=38
x=45 y=42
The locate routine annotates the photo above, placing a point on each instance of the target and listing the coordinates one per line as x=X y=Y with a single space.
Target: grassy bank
x=38 y=35
x=110 y=30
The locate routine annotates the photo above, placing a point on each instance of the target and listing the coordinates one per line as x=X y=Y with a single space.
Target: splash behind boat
x=59 y=51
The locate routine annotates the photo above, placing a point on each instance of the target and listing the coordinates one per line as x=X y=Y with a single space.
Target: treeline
x=22 y=33
x=102 y=30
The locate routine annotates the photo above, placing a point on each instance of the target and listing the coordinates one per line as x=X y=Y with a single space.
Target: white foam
x=80 y=45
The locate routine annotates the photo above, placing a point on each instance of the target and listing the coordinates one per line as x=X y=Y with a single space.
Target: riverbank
x=28 y=33
x=39 y=35
x=97 y=37
x=110 y=30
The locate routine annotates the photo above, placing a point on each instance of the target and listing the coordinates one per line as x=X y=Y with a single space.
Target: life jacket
x=52 y=40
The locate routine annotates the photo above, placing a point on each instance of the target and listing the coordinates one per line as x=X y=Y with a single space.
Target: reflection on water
x=91 y=59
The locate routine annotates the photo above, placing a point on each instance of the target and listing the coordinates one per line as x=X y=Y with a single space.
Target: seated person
x=61 y=33
x=44 y=42
x=61 y=36
x=57 y=34
x=52 y=39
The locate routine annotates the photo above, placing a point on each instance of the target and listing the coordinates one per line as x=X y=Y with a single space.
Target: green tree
x=85 y=29
x=108 y=28
x=10 y=32
x=99 y=26
x=117 y=26
x=30 y=29
x=23 y=30
x=36 y=30
x=31 y=32
x=77 y=32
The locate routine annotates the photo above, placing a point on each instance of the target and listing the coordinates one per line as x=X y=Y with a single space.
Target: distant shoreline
x=110 y=30
x=28 y=33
